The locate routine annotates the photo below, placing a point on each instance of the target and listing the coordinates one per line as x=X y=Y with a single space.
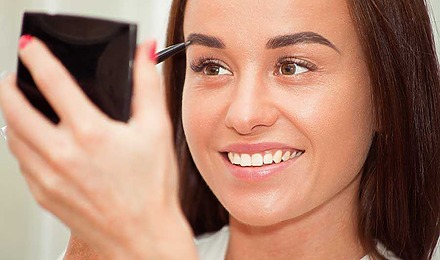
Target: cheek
x=202 y=119
x=193 y=120
x=338 y=123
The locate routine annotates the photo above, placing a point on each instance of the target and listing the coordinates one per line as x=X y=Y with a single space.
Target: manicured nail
x=3 y=132
x=152 y=54
x=24 y=41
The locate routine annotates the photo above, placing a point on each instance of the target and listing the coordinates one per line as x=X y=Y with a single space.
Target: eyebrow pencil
x=171 y=51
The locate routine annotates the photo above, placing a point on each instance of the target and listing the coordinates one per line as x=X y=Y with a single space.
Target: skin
x=111 y=206
x=308 y=208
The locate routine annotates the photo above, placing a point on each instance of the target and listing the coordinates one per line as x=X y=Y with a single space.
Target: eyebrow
x=273 y=43
x=205 y=40
x=301 y=37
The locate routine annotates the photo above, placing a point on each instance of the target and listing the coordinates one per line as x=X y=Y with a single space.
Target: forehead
x=255 y=21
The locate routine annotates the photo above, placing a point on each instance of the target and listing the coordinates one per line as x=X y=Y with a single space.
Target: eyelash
x=199 y=64
x=292 y=59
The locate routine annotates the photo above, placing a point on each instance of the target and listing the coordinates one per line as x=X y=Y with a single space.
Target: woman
x=310 y=128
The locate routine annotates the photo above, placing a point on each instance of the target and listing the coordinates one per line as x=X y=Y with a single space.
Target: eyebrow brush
x=171 y=51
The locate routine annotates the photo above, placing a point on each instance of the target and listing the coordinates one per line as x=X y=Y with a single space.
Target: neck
x=329 y=231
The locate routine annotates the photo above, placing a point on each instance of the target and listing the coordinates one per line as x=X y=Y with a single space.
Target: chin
x=249 y=213
x=258 y=220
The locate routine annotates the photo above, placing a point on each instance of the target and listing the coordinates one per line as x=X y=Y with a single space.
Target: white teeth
x=277 y=156
x=231 y=157
x=268 y=158
x=245 y=160
x=256 y=160
x=286 y=156
x=236 y=159
x=293 y=155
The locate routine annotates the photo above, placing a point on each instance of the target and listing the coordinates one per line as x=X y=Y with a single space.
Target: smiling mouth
x=263 y=159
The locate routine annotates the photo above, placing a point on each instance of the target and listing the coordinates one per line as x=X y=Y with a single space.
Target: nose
x=251 y=108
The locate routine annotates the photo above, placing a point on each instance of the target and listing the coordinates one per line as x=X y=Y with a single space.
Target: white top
x=213 y=246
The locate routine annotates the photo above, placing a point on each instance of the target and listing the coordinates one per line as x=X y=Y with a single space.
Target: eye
x=210 y=67
x=289 y=69
x=215 y=70
x=291 y=66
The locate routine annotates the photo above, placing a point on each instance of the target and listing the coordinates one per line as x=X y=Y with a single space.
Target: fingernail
x=3 y=132
x=24 y=41
x=152 y=54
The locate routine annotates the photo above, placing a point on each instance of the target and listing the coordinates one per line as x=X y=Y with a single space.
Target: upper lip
x=257 y=147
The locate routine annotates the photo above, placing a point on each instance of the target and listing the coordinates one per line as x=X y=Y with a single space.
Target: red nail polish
x=152 y=53
x=24 y=41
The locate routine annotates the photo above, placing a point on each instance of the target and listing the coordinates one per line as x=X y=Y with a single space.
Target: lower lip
x=258 y=173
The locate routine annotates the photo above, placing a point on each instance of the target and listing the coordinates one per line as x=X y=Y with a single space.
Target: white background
x=27 y=232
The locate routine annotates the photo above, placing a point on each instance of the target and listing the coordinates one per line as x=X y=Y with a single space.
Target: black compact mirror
x=98 y=53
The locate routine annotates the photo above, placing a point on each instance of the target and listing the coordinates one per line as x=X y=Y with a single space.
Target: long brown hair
x=400 y=187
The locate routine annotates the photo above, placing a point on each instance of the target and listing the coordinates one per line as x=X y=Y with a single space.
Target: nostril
x=246 y=119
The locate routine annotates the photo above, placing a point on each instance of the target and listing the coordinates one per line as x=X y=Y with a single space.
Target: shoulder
x=212 y=246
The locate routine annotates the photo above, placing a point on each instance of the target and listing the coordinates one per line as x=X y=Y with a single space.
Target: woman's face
x=277 y=107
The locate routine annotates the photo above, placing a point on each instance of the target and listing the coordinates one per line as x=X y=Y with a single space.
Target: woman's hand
x=114 y=184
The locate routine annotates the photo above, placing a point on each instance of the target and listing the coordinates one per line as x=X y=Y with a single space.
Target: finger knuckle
x=52 y=187
x=38 y=192
x=89 y=134
x=64 y=159
x=42 y=199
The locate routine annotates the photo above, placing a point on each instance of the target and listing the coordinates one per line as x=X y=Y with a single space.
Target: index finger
x=148 y=97
x=56 y=84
